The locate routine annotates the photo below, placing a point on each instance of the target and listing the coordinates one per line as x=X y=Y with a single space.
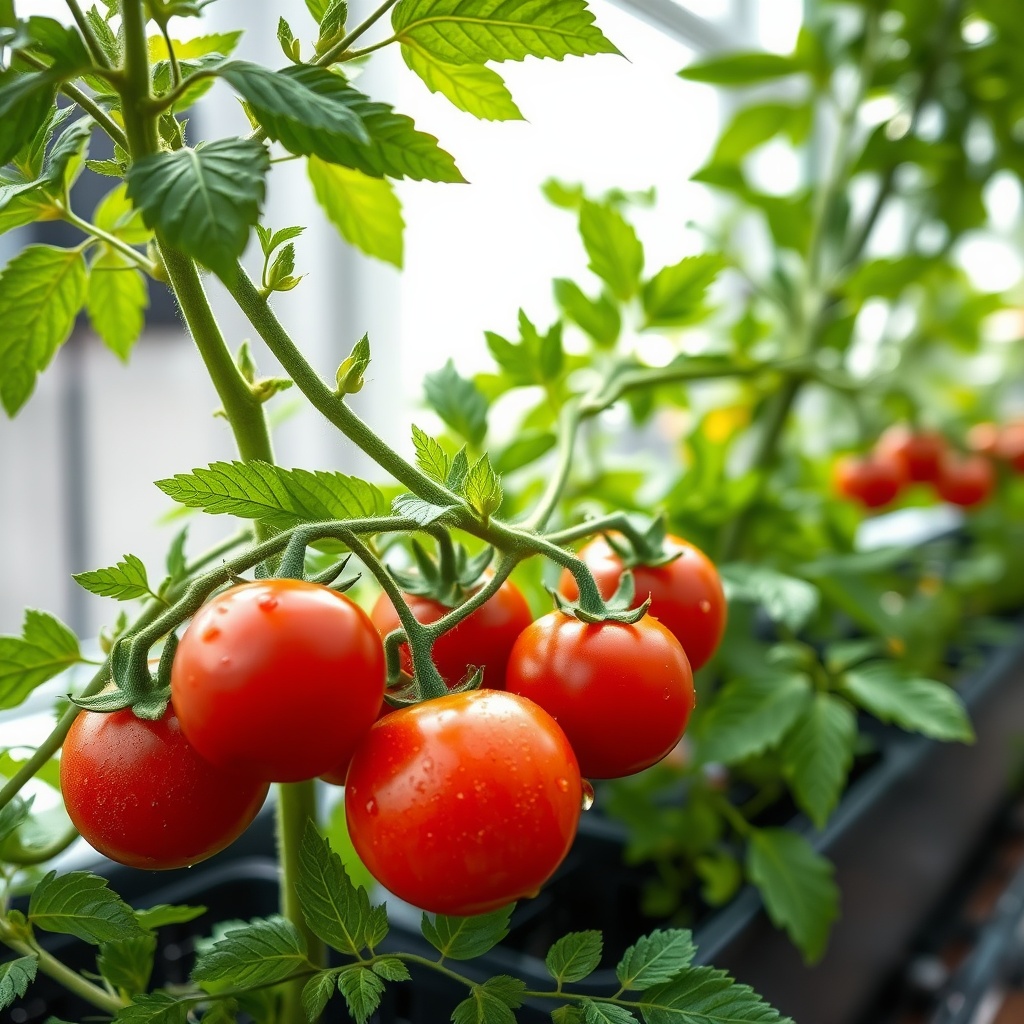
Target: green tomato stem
x=331 y=55
x=90 y=38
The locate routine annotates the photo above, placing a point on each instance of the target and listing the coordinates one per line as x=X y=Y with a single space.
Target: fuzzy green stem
x=100 y=235
x=139 y=125
x=14 y=852
x=90 y=37
x=60 y=972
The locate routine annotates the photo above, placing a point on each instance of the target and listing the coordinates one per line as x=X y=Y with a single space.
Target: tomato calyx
x=135 y=687
x=647 y=548
x=615 y=609
x=450 y=578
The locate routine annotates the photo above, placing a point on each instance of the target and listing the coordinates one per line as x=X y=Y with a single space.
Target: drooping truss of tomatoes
x=686 y=594
x=278 y=679
x=622 y=693
x=871 y=480
x=464 y=803
x=918 y=453
x=141 y=795
x=483 y=639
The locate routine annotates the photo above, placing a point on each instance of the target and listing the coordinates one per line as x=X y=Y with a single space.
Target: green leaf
x=333 y=907
x=483 y=488
x=279 y=497
x=262 y=952
x=15 y=978
x=750 y=716
x=674 y=296
x=41 y=291
x=163 y=914
x=104 y=35
x=704 y=995
x=482 y=1008
x=615 y=252
x=362 y=990
x=116 y=301
x=45 y=648
x=478 y=31
x=390 y=968
x=575 y=956
x=785 y=598
x=796 y=885
x=509 y=990
x=393 y=146
x=817 y=755
x=754 y=125
x=365 y=210
x=474 y=88
x=125 y=581
x=458 y=401
x=304 y=121
x=918 y=705
x=25 y=102
x=598 y=317
x=13 y=815
x=423 y=512
x=743 y=68
x=463 y=938
x=567 y=1015
x=128 y=964
x=155 y=1008
x=655 y=958
x=316 y=994
x=115 y=215
x=205 y=200
x=430 y=456
x=457 y=474
x=526 y=448
x=606 y=1013
x=80 y=904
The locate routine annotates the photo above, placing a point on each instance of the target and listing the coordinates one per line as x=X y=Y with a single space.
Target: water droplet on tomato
x=705 y=606
x=460 y=796
x=588 y=796
x=225 y=660
x=371 y=807
x=210 y=634
x=267 y=603
x=563 y=785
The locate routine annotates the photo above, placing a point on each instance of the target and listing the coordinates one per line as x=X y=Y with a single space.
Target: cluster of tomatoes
x=903 y=456
x=458 y=804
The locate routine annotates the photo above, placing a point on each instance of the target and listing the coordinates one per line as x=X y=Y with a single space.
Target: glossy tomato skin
x=484 y=639
x=872 y=481
x=622 y=693
x=464 y=803
x=141 y=795
x=686 y=594
x=278 y=679
x=918 y=452
x=965 y=480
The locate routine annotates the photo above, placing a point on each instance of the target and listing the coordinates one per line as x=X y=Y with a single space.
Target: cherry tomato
x=483 y=640
x=918 y=452
x=141 y=795
x=622 y=693
x=965 y=481
x=871 y=480
x=686 y=594
x=464 y=803
x=278 y=679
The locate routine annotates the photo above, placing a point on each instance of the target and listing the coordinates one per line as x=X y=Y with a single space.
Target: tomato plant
x=139 y=793
x=278 y=679
x=464 y=803
x=483 y=640
x=622 y=692
x=685 y=592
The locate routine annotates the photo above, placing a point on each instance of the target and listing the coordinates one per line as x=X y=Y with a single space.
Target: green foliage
x=124 y=581
x=615 y=252
x=45 y=648
x=259 y=953
x=474 y=88
x=463 y=938
x=275 y=496
x=128 y=963
x=704 y=994
x=457 y=401
x=655 y=959
x=575 y=956
x=80 y=904
x=15 y=978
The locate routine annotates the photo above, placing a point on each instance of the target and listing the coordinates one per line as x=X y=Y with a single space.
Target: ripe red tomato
x=965 y=481
x=983 y=438
x=141 y=795
x=622 y=693
x=278 y=679
x=686 y=594
x=464 y=803
x=484 y=639
x=873 y=481
x=919 y=453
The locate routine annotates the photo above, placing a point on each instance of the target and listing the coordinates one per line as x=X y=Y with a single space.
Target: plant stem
x=69 y=979
x=296 y=806
x=90 y=38
x=171 y=56
x=115 y=243
x=139 y=126
x=13 y=852
x=329 y=56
